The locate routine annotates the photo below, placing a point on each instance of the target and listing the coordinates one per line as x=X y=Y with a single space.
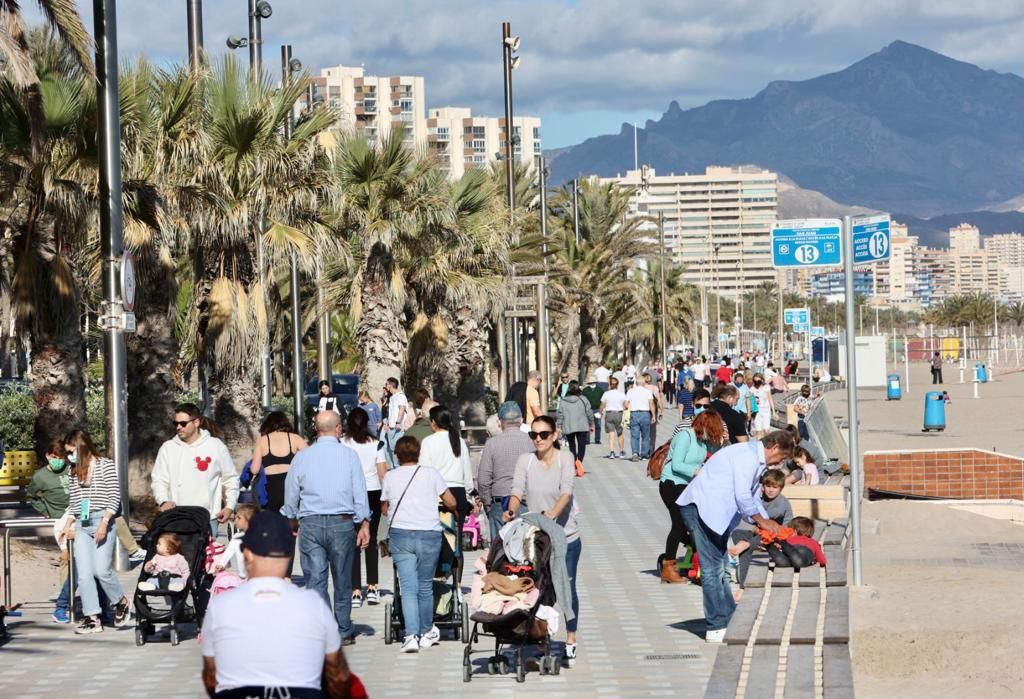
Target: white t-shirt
x=395 y=403
x=269 y=633
x=602 y=374
x=457 y=471
x=638 y=398
x=630 y=371
x=621 y=376
x=614 y=400
x=419 y=505
x=369 y=456
x=698 y=371
x=328 y=403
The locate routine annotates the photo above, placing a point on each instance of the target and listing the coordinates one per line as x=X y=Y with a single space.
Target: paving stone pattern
x=637 y=637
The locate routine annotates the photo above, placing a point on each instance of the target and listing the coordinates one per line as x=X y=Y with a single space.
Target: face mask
x=73 y=457
x=699 y=409
x=56 y=465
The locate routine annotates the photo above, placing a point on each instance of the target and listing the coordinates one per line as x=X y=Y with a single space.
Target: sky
x=587 y=66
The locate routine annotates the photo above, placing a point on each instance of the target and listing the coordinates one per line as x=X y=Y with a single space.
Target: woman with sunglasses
x=545 y=479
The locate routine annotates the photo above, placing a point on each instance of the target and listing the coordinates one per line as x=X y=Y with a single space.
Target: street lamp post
x=509 y=45
x=576 y=209
x=718 y=297
x=289 y=66
x=112 y=247
x=664 y=332
x=543 y=329
x=195 y=34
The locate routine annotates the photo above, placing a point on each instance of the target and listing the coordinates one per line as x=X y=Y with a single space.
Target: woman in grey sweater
x=576 y=420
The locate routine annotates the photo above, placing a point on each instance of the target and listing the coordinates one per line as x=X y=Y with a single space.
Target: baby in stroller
x=168 y=568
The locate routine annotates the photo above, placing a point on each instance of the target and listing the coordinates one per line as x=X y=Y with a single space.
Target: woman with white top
x=409 y=498
x=613 y=402
x=374 y=463
x=448 y=452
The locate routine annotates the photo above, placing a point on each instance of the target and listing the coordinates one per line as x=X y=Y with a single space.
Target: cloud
x=591 y=55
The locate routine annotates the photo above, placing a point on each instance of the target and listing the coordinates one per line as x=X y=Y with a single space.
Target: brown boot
x=669 y=572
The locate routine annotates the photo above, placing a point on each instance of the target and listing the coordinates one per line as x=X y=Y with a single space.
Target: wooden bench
x=791 y=630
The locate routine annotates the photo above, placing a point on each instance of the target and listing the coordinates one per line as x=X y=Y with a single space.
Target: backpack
x=656 y=464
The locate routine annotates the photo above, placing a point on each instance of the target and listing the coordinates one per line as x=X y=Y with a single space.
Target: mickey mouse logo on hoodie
x=203 y=462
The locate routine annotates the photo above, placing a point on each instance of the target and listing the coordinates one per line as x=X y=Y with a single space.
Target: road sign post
x=856 y=475
x=815 y=242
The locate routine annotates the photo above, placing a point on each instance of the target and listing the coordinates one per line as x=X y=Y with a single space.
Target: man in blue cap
x=498 y=463
x=270 y=633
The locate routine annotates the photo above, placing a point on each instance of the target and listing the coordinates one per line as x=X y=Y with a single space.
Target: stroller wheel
x=543 y=665
x=389 y=635
x=467 y=671
x=140 y=636
x=503 y=665
x=520 y=666
x=556 y=664
x=465 y=623
x=174 y=636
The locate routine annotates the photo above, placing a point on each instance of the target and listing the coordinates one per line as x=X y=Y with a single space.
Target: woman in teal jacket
x=689 y=450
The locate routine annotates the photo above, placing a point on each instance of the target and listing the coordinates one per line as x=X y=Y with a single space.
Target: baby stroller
x=163 y=606
x=450 y=611
x=519 y=627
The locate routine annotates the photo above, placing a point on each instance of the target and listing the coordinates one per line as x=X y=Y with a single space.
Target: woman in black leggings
x=689 y=450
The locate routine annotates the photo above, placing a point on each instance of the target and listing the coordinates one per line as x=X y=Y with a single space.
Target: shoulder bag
x=384 y=545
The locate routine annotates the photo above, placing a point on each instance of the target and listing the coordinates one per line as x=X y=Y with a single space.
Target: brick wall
x=968 y=474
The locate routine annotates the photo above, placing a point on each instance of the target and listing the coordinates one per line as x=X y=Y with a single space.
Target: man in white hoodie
x=195 y=469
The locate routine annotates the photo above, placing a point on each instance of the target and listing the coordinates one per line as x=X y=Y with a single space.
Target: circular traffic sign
x=878 y=243
x=128 y=283
x=806 y=254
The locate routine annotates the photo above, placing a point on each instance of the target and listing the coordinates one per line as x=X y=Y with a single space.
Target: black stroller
x=163 y=606
x=520 y=627
x=450 y=611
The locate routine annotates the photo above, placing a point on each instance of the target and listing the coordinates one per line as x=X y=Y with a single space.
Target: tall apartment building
x=831 y=284
x=974 y=270
x=964 y=238
x=718 y=223
x=463 y=141
x=1006 y=248
x=373 y=105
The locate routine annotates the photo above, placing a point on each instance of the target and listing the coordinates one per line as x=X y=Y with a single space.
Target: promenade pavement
x=992 y=421
x=637 y=637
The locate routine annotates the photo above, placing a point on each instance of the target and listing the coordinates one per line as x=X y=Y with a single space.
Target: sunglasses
x=702 y=405
x=182 y=423
x=546 y=434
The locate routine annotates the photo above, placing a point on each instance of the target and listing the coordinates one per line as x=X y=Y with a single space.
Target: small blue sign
x=801 y=327
x=796 y=315
x=818 y=331
x=871 y=239
x=815 y=242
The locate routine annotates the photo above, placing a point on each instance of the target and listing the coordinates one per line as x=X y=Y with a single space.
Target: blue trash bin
x=893 y=391
x=934 y=411
x=981 y=372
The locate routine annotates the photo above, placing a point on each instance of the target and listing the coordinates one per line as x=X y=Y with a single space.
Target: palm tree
x=682 y=304
x=47 y=194
x=17 y=47
x=265 y=187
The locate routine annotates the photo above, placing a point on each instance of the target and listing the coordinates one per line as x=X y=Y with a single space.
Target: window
x=536 y=133
x=442 y=133
x=405 y=105
x=333 y=91
x=479 y=131
x=478 y=144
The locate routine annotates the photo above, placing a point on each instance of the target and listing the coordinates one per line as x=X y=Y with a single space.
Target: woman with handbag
x=409 y=499
x=689 y=450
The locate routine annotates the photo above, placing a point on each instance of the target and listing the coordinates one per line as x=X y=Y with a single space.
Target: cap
x=509 y=410
x=269 y=535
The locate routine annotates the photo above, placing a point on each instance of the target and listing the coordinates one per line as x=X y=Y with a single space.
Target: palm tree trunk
x=58 y=384
x=569 y=362
x=236 y=410
x=472 y=354
x=380 y=336
x=152 y=358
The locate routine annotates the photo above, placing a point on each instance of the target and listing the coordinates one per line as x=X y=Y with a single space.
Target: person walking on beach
x=937 y=368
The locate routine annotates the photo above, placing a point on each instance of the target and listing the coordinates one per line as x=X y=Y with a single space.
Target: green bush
x=95 y=417
x=17 y=417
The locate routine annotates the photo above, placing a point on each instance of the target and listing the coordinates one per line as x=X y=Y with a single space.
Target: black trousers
x=578 y=443
x=677 y=534
x=371 y=551
x=936 y=375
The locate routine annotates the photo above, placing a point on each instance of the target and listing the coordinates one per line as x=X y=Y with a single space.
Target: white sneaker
x=430 y=638
x=138 y=556
x=146 y=586
x=570 y=654
x=176 y=586
x=357 y=600
x=372 y=596
x=716 y=636
x=411 y=644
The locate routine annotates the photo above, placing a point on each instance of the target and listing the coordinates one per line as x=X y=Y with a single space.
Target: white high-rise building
x=373 y=105
x=717 y=223
x=463 y=141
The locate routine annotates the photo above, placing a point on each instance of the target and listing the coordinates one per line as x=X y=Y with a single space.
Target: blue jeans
x=391 y=437
x=64 y=598
x=640 y=433
x=94 y=564
x=416 y=554
x=711 y=550
x=572 y=564
x=329 y=542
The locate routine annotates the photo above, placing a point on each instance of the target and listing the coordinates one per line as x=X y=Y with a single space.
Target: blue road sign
x=792 y=316
x=818 y=331
x=815 y=242
x=871 y=240
x=801 y=327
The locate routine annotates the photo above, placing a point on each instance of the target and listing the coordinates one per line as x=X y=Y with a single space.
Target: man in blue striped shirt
x=325 y=497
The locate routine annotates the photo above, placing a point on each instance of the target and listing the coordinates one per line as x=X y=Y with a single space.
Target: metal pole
x=112 y=247
x=781 y=349
x=506 y=53
x=255 y=33
x=502 y=357
x=906 y=364
x=542 y=340
x=576 y=209
x=195 y=34
x=543 y=329
x=856 y=476
x=298 y=373
x=323 y=334
x=664 y=330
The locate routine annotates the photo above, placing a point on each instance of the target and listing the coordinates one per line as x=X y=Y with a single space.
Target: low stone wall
x=962 y=474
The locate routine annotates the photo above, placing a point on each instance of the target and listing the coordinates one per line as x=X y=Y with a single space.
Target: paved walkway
x=637 y=637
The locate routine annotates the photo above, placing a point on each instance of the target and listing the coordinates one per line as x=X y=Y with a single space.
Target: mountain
x=905 y=129
x=796 y=202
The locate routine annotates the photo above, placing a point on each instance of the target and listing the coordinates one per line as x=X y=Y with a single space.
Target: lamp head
x=237 y=42
x=295 y=65
x=512 y=42
x=264 y=10
x=515 y=62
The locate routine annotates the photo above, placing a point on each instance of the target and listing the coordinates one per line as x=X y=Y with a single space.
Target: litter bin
x=981 y=372
x=934 y=411
x=893 y=390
